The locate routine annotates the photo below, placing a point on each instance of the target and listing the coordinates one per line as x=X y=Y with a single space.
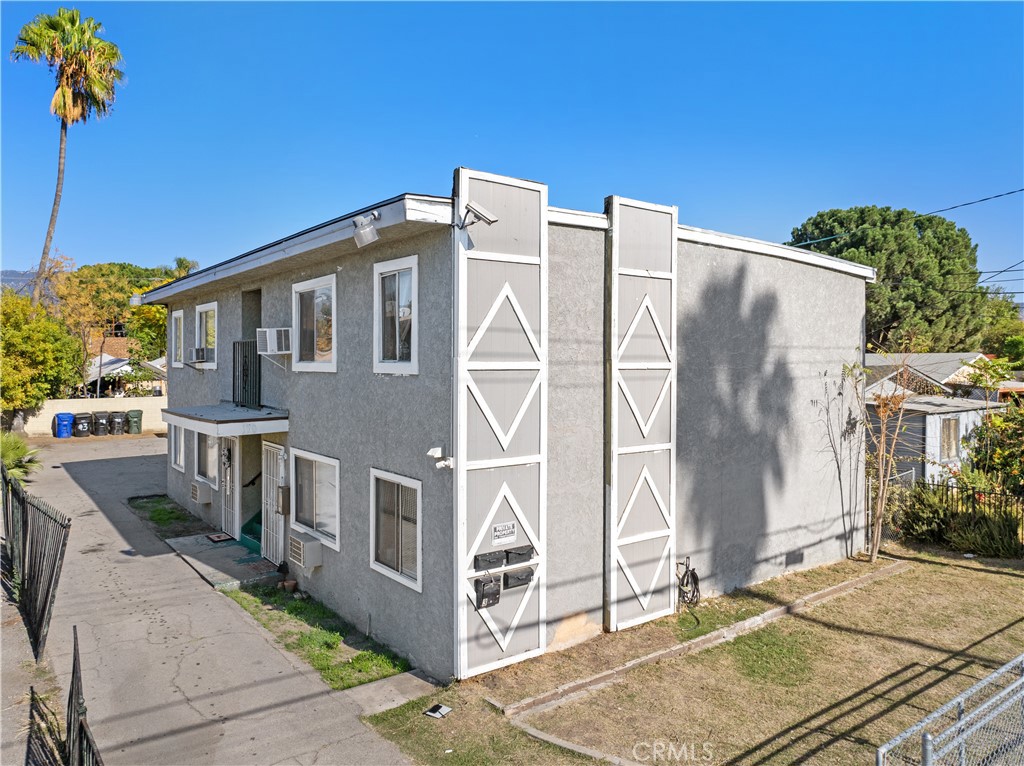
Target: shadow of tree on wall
x=735 y=392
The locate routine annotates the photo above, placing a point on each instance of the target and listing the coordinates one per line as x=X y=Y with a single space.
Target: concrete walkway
x=174 y=672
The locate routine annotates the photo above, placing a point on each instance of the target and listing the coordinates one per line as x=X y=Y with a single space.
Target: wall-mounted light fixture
x=442 y=460
x=476 y=212
x=366 y=232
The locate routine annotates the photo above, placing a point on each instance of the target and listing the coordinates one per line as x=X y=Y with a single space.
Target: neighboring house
x=934 y=434
x=481 y=427
x=113 y=345
x=114 y=369
x=890 y=379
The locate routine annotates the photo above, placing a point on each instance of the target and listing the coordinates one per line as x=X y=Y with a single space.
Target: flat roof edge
x=421 y=208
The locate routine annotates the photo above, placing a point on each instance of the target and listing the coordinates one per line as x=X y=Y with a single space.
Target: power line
x=912 y=218
x=1012 y=265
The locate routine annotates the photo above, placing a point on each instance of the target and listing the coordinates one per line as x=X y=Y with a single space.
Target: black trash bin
x=83 y=424
x=100 y=423
x=118 y=421
x=135 y=421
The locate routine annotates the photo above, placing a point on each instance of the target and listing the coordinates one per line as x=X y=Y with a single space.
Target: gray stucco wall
x=362 y=419
x=758 y=492
x=575 y=540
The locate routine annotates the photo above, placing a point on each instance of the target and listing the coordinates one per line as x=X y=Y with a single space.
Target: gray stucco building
x=481 y=427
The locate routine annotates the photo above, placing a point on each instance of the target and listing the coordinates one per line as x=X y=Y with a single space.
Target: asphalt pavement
x=174 y=672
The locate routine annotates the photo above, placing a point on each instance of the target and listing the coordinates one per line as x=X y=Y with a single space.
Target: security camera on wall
x=481 y=213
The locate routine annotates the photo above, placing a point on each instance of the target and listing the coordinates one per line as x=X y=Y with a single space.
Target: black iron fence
x=246 y=374
x=36 y=536
x=963 y=518
x=79 y=746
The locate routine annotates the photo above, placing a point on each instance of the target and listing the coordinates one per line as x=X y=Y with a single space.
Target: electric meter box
x=488 y=591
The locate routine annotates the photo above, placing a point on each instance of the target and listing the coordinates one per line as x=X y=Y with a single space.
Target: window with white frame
x=395 y=531
x=206 y=334
x=395 y=327
x=313 y=344
x=177 y=344
x=314 y=496
x=949 y=445
x=207 y=454
x=176 y=436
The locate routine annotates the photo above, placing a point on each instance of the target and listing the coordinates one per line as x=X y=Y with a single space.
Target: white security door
x=230 y=512
x=273 y=520
x=641 y=424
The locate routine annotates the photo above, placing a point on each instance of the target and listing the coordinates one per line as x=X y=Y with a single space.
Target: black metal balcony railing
x=246 y=375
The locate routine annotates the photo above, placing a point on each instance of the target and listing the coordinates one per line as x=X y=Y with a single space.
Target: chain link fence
x=983 y=726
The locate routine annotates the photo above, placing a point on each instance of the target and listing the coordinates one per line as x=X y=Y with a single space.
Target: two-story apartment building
x=481 y=427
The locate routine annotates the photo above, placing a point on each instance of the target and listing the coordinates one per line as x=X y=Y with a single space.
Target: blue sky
x=240 y=123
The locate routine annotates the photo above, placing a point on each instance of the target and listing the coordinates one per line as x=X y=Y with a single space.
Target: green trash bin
x=135 y=421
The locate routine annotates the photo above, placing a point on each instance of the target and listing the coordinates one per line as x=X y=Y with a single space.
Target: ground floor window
x=206 y=458
x=315 y=496
x=176 y=436
x=396 y=543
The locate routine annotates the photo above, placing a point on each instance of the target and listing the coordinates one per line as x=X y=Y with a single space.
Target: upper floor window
x=177 y=344
x=206 y=334
x=313 y=347
x=394 y=308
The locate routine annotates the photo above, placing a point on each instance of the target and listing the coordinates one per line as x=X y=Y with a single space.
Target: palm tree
x=86 y=69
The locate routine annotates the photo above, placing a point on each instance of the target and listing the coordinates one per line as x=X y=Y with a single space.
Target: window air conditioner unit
x=199 y=355
x=274 y=340
x=305 y=550
x=202 y=493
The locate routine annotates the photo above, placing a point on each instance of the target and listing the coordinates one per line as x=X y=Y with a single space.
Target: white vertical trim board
x=177 y=327
x=614 y=559
x=466 y=389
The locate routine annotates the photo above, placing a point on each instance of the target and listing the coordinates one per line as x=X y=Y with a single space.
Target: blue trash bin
x=65 y=425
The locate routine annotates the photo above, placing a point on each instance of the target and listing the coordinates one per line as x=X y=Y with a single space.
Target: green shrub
x=18 y=458
x=923 y=515
x=996 y=534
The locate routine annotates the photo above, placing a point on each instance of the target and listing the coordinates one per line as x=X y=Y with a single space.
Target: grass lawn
x=827 y=686
x=343 y=656
x=166 y=518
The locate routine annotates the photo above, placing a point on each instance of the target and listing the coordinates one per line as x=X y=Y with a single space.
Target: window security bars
x=983 y=726
x=246 y=375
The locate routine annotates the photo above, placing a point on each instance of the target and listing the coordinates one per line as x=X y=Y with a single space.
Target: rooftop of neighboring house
x=941 y=367
x=945 y=405
x=409 y=214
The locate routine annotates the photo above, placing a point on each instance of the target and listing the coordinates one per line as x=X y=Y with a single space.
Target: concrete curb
x=560 y=695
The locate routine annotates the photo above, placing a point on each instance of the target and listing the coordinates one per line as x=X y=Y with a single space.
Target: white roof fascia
x=229 y=428
x=735 y=242
x=406 y=208
x=428 y=209
x=565 y=217
x=561 y=216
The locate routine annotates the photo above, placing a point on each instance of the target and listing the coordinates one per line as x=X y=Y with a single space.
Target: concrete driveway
x=174 y=672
